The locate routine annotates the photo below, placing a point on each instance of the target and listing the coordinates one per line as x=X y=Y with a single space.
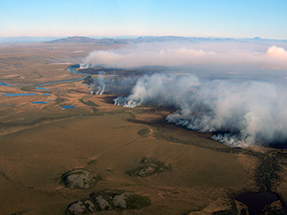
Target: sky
x=205 y=18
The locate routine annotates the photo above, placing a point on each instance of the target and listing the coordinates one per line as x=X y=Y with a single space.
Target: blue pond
x=6 y=105
x=39 y=102
x=68 y=107
x=20 y=94
x=41 y=88
x=4 y=84
x=46 y=94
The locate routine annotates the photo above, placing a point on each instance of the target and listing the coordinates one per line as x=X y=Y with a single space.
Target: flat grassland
x=40 y=142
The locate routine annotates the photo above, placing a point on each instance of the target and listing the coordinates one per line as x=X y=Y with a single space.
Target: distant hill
x=163 y=39
x=142 y=39
x=76 y=39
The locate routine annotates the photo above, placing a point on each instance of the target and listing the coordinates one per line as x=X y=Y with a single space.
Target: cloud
x=276 y=53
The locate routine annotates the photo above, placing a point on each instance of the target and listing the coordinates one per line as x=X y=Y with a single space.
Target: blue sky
x=220 y=18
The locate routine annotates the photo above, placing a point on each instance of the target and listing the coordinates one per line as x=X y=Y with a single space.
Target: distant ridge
x=141 y=39
x=78 y=39
x=73 y=40
x=130 y=40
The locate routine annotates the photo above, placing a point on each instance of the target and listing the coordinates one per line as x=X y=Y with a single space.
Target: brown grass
x=38 y=143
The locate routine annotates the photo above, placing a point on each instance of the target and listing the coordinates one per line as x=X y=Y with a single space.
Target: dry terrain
x=41 y=142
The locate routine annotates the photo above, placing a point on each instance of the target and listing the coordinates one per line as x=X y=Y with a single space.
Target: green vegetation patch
x=108 y=200
x=80 y=179
x=59 y=100
x=134 y=201
x=149 y=166
x=89 y=103
x=266 y=173
x=143 y=132
x=92 y=162
x=86 y=79
x=27 y=88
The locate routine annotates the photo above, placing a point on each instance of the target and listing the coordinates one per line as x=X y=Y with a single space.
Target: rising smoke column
x=98 y=86
x=239 y=113
x=159 y=89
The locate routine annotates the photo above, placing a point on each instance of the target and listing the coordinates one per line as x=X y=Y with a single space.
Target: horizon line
x=138 y=36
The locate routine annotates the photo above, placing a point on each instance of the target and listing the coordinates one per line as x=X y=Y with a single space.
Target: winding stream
x=71 y=69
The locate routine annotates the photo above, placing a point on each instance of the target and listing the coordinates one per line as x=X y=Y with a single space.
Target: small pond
x=6 y=105
x=41 y=88
x=39 y=102
x=68 y=106
x=256 y=202
x=4 y=84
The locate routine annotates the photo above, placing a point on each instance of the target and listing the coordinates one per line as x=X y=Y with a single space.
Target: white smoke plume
x=97 y=85
x=239 y=113
x=226 y=55
x=246 y=107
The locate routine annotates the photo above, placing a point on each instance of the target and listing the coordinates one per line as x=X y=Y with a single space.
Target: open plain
x=39 y=142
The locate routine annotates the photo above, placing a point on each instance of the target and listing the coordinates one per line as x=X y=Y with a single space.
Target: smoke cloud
x=238 y=113
x=236 y=90
x=109 y=83
x=97 y=86
x=227 y=56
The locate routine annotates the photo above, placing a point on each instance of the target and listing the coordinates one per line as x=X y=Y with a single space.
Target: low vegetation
x=143 y=132
x=80 y=179
x=149 y=166
x=108 y=200
x=89 y=103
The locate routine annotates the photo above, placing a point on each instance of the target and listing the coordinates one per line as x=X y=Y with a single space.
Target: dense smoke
x=238 y=91
x=239 y=113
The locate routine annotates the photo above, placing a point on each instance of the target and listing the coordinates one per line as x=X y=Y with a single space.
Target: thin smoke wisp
x=97 y=86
